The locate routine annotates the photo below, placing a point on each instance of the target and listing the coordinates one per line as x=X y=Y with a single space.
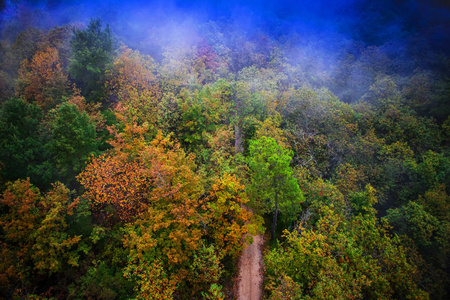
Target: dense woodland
x=129 y=173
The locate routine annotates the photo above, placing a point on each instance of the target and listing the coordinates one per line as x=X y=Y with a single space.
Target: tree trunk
x=238 y=138
x=275 y=216
x=238 y=147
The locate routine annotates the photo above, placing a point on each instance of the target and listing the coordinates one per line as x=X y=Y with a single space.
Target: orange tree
x=42 y=80
x=117 y=187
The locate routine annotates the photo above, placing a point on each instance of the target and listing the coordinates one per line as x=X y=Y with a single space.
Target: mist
x=324 y=37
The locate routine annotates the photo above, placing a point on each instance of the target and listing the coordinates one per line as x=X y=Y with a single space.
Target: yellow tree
x=342 y=258
x=133 y=82
x=174 y=199
x=227 y=219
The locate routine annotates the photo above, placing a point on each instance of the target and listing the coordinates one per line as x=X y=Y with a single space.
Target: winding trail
x=250 y=271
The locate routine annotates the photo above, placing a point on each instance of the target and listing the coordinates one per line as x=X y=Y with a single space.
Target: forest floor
x=250 y=271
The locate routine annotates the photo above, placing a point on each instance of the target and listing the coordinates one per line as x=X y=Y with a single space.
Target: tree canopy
x=139 y=157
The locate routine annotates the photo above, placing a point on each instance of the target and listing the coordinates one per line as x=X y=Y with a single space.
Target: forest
x=142 y=145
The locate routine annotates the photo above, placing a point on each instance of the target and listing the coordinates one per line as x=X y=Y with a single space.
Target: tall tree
x=273 y=188
x=92 y=52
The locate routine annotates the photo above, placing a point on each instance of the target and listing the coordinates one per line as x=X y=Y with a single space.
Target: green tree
x=92 y=53
x=20 y=144
x=273 y=188
x=203 y=111
x=424 y=226
x=413 y=220
x=72 y=138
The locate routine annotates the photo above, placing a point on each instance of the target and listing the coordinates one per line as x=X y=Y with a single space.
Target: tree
x=203 y=111
x=43 y=80
x=170 y=222
x=217 y=156
x=92 y=52
x=169 y=230
x=206 y=268
x=227 y=221
x=133 y=82
x=255 y=93
x=18 y=224
x=342 y=258
x=24 y=47
x=22 y=146
x=272 y=187
x=58 y=38
x=116 y=187
x=35 y=237
x=424 y=225
x=72 y=139
x=413 y=220
x=152 y=280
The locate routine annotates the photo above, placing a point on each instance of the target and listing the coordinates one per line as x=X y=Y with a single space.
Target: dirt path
x=250 y=271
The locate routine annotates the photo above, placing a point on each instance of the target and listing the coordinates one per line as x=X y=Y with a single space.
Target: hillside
x=143 y=145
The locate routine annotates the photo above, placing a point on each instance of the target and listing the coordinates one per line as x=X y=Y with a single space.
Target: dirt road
x=250 y=271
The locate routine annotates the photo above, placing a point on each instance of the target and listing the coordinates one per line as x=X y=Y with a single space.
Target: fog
x=321 y=37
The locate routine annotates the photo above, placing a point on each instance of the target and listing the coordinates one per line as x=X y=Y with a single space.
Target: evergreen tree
x=92 y=52
x=272 y=186
x=20 y=144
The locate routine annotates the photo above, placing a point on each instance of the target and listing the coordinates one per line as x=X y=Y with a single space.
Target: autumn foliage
x=42 y=80
x=35 y=238
x=141 y=171
x=133 y=83
x=117 y=188
x=228 y=218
